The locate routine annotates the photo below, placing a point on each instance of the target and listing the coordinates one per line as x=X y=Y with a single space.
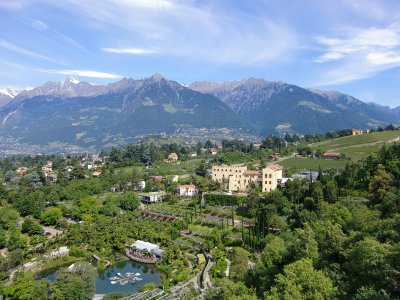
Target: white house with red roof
x=186 y=190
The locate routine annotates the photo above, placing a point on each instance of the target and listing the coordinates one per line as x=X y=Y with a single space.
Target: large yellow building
x=238 y=178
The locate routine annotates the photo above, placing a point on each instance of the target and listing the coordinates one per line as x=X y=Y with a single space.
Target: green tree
x=8 y=217
x=240 y=264
x=16 y=240
x=3 y=239
x=380 y=184
x=229 y=290
x=330 y=191
x=26 y=287
x=51 y=215
x=52 y=198
x=330 y=239
x=367 y=262
x=129 y=201
x=77 y=173
x=202 y=169
x=75 y=284
x=31 y=228
x=110 y=209
x=273 y=258
x=87 y=206
x=301 y=281
x=305 y=246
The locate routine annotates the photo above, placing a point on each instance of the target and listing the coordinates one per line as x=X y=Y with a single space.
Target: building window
x=266 y=182
x=270 y=175
x=270 y=182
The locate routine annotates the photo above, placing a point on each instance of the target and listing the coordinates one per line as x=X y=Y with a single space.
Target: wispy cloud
x=39 y=25
x=84 y=73
x=13 y=5
x=129 y=50
x=147 y=4
x=19 y=50
x=360 y=53
x=45 y=28
x=188 y=30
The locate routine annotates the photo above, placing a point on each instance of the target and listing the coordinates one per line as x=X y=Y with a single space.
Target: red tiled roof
x=187 y=186
x=275 y=167
x=332 y=154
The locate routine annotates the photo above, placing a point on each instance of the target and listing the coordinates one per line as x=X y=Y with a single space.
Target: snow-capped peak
x=9 y=92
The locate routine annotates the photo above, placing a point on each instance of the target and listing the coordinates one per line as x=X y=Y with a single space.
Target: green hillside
x=354 y=147
x=358 y=146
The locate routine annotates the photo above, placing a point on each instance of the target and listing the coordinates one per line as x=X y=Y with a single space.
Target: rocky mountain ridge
x=97 y=116
x=277 y=107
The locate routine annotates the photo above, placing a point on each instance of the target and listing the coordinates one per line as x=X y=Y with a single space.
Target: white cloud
x=359 y=54
x=84 y=73
x=358 y=41
x=129 y=50
x=384 y=58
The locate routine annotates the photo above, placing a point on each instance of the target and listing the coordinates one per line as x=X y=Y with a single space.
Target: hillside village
x=202 y=215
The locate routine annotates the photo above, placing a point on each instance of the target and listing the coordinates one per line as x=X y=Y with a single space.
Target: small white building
x=152 y=197
x=88 y=165
x=141 y=246
x=141 y=184
x=186 y=190
x=59 y=252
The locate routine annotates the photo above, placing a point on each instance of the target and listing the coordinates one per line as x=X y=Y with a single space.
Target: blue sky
x=352 y=46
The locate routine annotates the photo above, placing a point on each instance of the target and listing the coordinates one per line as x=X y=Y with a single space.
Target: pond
x=148 y=273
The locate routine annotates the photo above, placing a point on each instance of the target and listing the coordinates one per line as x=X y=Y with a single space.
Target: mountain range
x=277 y=107
x=84 y=114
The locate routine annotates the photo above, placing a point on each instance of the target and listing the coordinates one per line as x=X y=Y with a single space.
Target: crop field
x=359 y=146
x=298 y=164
